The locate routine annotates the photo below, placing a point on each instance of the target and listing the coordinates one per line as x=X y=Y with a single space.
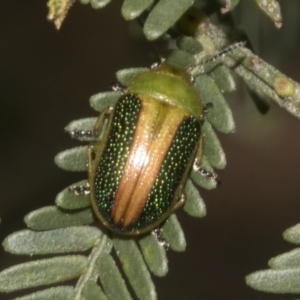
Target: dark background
x=46 y=79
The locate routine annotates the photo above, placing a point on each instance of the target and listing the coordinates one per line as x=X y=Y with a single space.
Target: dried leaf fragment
x=58 y=10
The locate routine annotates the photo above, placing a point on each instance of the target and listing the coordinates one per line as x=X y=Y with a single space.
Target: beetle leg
x=197 y=166
x=191 y=79
x=92 y=150
x=210 y=175
x=95 y=132
x=179 y=203
x=206 y=109
x=157 y=232
x=79 y=189
x=99 y=123
x=76 y=133
x=84 y=189
x=199 y=154
x=117 y=87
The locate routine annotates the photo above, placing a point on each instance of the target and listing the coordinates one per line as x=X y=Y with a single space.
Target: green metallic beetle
x=138 y=170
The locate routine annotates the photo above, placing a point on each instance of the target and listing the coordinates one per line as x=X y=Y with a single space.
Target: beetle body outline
x=137 y=172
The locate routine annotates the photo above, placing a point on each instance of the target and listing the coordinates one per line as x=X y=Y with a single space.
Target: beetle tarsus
x=155 y=65
x=210 y=175
x=79 y=189
x=207 y=107
x=191 y=79
x=77 y=133
x=117 y=87
x=157 y=232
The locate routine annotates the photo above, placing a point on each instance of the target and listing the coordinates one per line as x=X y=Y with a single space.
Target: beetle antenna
x=222 y=53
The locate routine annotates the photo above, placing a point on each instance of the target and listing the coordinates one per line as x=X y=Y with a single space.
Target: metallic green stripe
x=113 y=159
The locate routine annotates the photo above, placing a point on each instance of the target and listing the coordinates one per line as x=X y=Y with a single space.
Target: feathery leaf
x=92 y=291
x=105 y=99
x=111 y=278
x=213 y=150
x=135 y=269
x=64 y=240
x=220 y=115
x=50 y=217
x=194 y=205
x=132 y=9
x=74 y=159
x=275 y=281
x=41 y=272
x=164 y=15
x=154 y=254
x=68 y=200
x=57 y=293
x=173 y=234
x=292 y=234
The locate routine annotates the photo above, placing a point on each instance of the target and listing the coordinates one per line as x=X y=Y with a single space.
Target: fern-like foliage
x=160 y=15
x=283 y=277
x=65 y=229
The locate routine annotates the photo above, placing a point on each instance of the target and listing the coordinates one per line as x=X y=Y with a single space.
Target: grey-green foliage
x=43 y=271
x=149 y=245
x=265 y=81
x=63 y=240
x=163 y=14
x=57 y=293
x=284 y=273
x=135 y=268
x=64 y=229
x=220 y=116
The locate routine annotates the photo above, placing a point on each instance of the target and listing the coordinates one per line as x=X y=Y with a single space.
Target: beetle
x=152 y=139
x=138 y=171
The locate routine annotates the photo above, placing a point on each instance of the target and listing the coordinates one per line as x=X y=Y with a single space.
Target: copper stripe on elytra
x=171 y=178
x=155 y=131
